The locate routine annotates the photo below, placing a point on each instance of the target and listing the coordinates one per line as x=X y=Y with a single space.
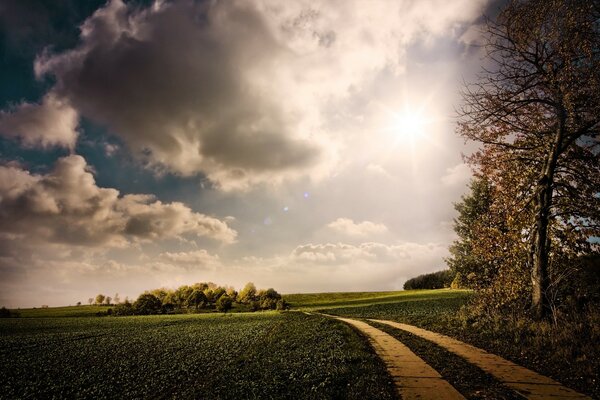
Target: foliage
x=536 y=114
x=474 y=219
x=567 y=352
x=266 y=355
x=202 y=296
x=434 y=280
x=5 y=313
x=247 y=294
x=224 y=303
x=125 y=308
x=147 y=304
x=100 y=299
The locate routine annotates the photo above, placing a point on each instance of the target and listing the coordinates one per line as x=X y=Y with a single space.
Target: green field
x=59 y=312
x=259 y=355
x=70 y=352
x=357 y=300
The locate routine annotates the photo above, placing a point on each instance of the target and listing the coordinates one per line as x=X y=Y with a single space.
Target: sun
x=410 y=124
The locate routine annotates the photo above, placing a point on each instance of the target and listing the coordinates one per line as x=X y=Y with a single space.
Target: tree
x=536 y=112
x=90 y=301
x=247 y=294
x=100 y=299
x=434 y=280
x=196 y=299
x=116 y=299
x=78 y=303
x=224 y=303
x=147 y=303
x=268 y=299
x=107 y=300
x=473 y=217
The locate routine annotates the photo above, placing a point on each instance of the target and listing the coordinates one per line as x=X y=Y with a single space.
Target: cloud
x=66 y=206
x=200 y=258
x=51 y=123
x=242 y=91
x=458 y=175
x=377 y=169
x=340 y=253
x=349 y=227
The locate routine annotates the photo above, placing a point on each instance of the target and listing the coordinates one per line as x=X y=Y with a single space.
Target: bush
x=147 y=304
x=125 y=308
x=224 y=303
x=4 y=312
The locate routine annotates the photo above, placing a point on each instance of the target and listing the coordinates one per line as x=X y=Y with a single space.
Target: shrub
x=4 y=312
x=224 y=303
x=146 y=304
x=125 y=308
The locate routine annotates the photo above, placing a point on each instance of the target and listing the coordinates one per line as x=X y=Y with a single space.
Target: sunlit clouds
x=294 y=144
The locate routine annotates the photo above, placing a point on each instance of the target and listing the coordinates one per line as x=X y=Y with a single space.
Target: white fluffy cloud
x=349 y=227
x=51 y=123
x=372 y=252
x=457 y=175
x=66 y=206
x=201 y=258
x=243 y=91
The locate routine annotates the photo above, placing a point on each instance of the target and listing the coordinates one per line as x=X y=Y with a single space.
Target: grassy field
x=268 y=355
x=260 y=355
x=348 y=303
x=59 y=312
x=568 y=353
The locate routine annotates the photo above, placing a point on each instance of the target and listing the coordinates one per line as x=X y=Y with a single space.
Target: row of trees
x=533 y=215
x=102 y=299
x=434 y=280
x=202 y=296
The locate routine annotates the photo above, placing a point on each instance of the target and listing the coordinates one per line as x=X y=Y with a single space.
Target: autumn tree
x=535 y=110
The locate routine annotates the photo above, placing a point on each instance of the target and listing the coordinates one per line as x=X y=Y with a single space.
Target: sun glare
x=410 y=124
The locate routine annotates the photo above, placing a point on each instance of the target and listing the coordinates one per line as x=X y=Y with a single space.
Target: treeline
x=434 y=280
x=201 y=297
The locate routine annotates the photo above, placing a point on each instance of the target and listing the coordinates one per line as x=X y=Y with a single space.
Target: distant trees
x=535 y=111
x=434 y=280
x=247 y=294
x=90 y=301
x=100 y=299
x=201 y=296
x=224 y=304
x=147 y=304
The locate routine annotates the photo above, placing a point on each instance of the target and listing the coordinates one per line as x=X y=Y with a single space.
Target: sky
x=307 y=146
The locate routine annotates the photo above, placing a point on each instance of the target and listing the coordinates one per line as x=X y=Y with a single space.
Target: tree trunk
x=541 y=245
x=541 y=248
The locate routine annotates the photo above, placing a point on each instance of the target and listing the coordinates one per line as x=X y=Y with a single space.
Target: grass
x=568 y=353
x=259 y=355
x=59 y=312
x=325 y=301
x=273 y=355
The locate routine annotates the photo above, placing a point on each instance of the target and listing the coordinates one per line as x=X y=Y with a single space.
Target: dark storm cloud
x=177 y=83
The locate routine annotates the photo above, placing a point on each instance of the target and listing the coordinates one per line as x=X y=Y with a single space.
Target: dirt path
x=529 y=384
x=413 y=377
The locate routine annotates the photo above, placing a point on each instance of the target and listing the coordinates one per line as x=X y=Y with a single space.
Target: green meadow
x=80 y=351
